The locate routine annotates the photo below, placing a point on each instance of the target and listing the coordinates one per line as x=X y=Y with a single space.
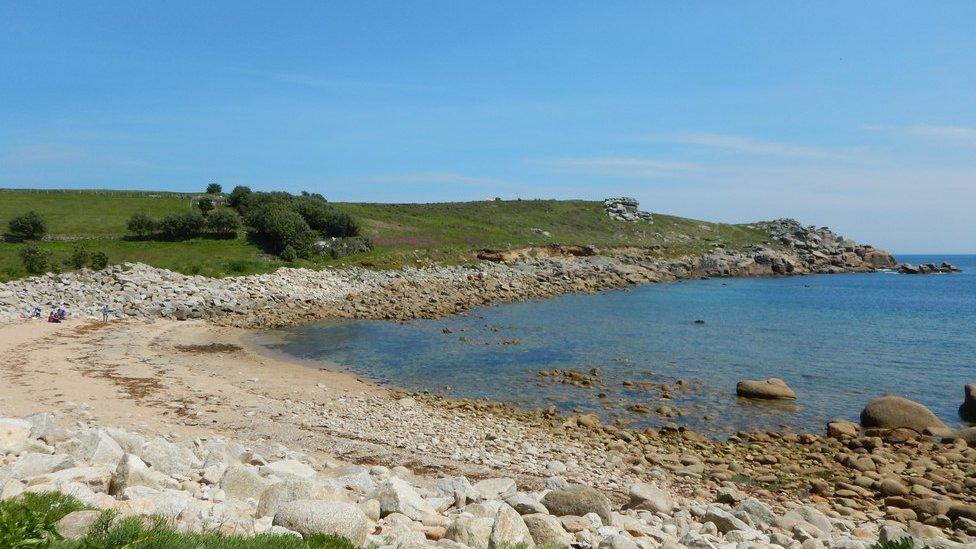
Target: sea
x=838 y=340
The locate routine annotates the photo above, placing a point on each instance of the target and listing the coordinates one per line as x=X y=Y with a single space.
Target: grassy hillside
x=403 y=234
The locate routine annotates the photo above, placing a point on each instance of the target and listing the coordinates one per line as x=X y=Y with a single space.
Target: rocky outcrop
x=894 y=412
x=624 y=208
x=772 y=388
x=967 y=411
x=825 y=250
x=927 y=268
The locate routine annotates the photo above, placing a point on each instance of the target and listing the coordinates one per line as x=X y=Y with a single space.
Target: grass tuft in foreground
x=29 y=521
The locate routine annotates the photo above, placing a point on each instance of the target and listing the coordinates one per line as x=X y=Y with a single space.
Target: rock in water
x=968 y=409
x=892 y=412
x=578 y=500
x=772 y=388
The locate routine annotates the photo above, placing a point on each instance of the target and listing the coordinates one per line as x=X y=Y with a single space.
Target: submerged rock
x=772 y=388
x=892 y=412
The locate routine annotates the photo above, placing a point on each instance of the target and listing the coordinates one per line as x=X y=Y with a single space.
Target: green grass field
x=403 y=234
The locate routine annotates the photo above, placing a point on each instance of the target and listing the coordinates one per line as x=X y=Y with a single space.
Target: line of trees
x=180 y=226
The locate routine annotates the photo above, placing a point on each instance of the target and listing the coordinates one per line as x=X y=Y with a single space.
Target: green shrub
x=28 y=520
x=79 y=258
x=277 y=227
x=99 y=261
x=141 y=224
x=238 y=198
x=288 y=254
x=224 y=221
x=35 y=260
x=205 y=204
x=29 y=226
x=181 y=226
x=214 y=188
x=325 y=218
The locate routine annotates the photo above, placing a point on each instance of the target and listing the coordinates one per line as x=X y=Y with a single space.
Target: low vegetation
x=165 y=230
x=30 y=520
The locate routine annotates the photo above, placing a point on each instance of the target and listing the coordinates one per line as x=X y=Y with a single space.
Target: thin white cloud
x=619 y=166
x=447 y=178
x=928 y=131
x=747 y=145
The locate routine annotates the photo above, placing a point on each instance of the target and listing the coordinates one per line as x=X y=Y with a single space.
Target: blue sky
x=860 y=116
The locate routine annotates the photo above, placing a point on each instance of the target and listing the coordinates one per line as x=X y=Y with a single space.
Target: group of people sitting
x=61 y=313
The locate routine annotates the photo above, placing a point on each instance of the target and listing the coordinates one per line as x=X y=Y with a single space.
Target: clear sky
x=856 y=115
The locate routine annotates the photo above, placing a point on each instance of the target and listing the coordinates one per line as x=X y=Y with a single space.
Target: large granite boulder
x=772 y=388
x=968 y=409
x=578 y=500
x=893 y=412
x=309 y=517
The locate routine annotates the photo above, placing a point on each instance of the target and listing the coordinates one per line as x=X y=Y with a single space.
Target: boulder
x=168 y=458
x=547 y=531
x=968 y=434
x=843 y=429
x=13 y=434
x=132 y=471
x=473 y=532
x=398 y=496
x=244 y=481
x=723 y=520
x=772 y=388
x=509 y=530
x=495 y=488
x=96 y=447
x=167 y=503
x=97 y=478
x=76 y=524
x=309 y=517
x=649 y=497
x=32 y=464
x=578 y=500
x=892 y=412
x=967 y=411
x=288 y=468
x=525 y=504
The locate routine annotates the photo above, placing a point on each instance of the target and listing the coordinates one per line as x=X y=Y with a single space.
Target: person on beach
x=53 y=317
x=62 y=311
x=104 y=313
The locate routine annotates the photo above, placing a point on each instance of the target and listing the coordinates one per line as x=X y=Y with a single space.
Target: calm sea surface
x=838 y=340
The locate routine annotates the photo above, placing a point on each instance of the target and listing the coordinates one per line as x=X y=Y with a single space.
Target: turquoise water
x=838 y=340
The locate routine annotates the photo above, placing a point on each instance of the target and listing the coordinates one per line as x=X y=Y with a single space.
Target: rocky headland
x=292 y=296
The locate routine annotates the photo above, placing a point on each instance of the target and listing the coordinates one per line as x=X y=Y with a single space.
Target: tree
x=224 y=221
x=238 y=198
x=141 y=224
x=29 y=226
x=214 y=188
x=181 y=226
x=35 y=260
x=205 y=205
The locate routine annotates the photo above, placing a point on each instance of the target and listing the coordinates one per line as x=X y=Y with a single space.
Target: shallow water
x=838 y=340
